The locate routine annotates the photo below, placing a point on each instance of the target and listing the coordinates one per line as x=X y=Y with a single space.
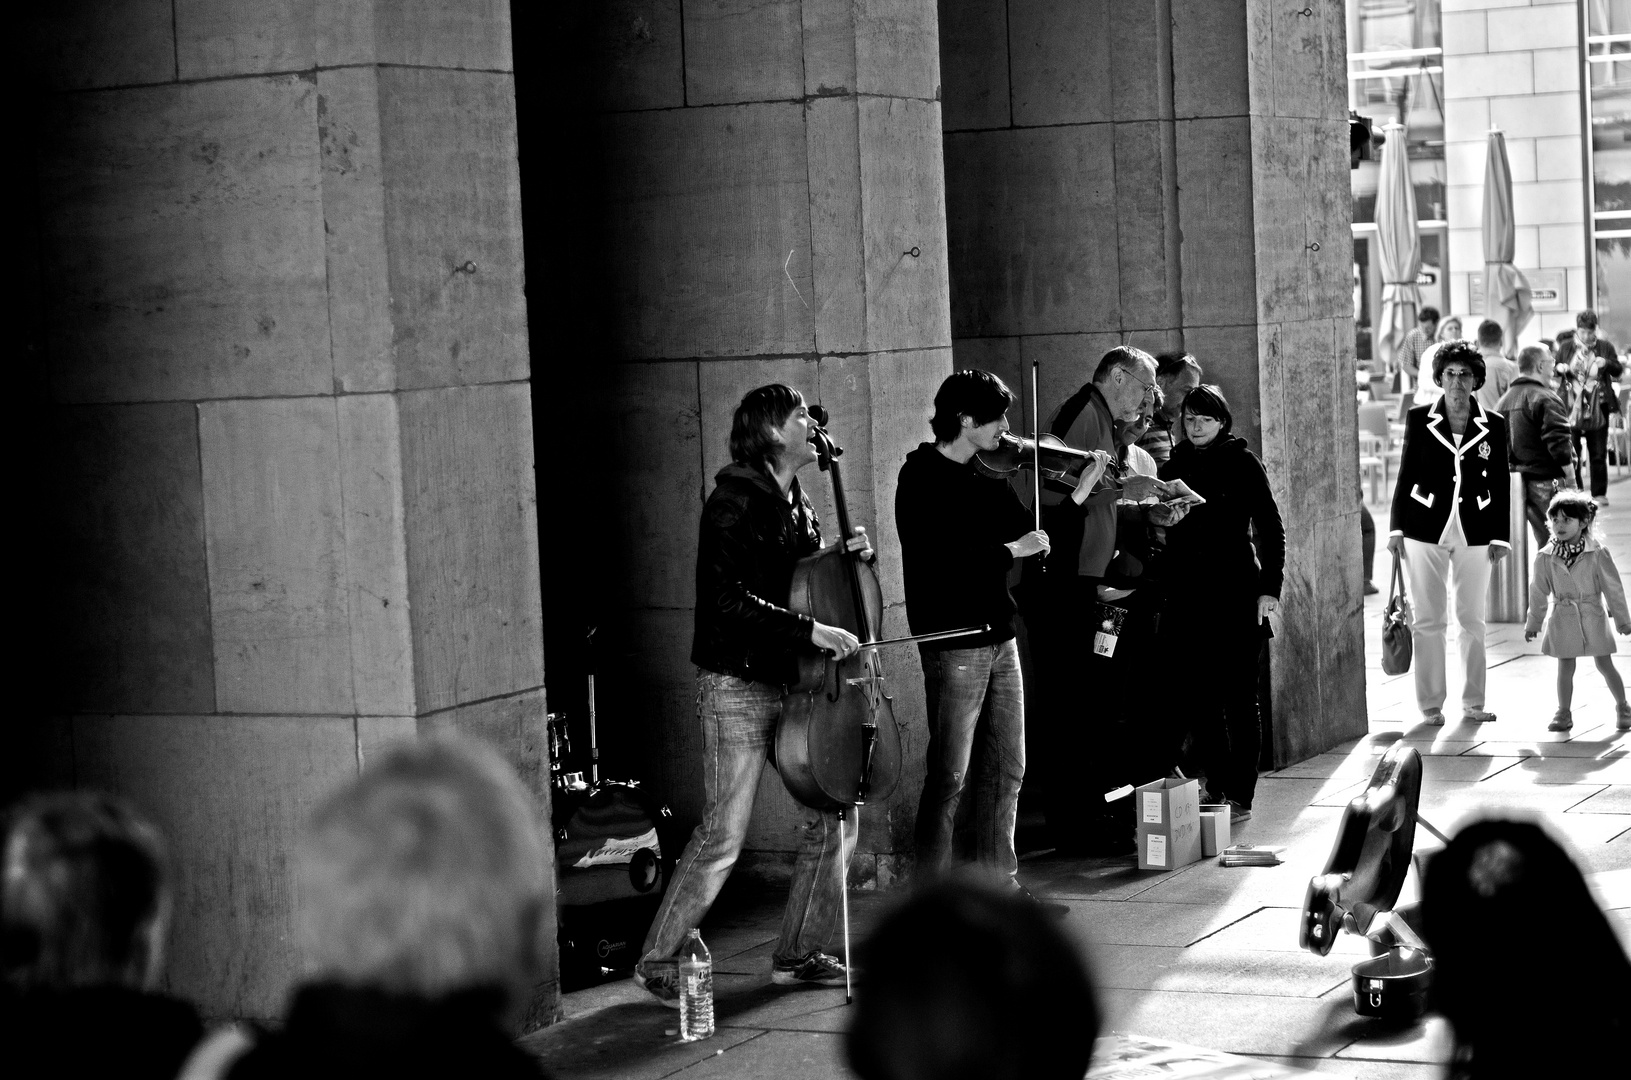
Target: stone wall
x=287 y=427
x=1172 y=174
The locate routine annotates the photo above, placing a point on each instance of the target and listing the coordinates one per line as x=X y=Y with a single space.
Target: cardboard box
x=1169 y=824
x=1214 y=828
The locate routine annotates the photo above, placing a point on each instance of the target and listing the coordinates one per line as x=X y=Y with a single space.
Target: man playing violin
x=960 y=533
x=756 y=525
x=1062 y=603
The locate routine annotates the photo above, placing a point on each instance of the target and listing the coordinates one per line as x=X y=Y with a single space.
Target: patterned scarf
x=1571 y=551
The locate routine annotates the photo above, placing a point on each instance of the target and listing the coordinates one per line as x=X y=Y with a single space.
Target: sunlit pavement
x=1207 y=955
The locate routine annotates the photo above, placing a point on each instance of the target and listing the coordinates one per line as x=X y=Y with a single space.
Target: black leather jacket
x=749 y=542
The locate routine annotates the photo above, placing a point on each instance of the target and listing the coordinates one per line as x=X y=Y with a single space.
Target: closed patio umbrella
x=1398 y=247
x=1506 y=292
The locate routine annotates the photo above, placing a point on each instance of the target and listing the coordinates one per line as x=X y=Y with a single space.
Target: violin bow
x=1036 y=451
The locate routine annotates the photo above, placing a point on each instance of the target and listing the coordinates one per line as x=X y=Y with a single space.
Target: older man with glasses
x=1450 y=524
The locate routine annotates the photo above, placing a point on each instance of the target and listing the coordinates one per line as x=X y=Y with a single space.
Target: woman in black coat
x=1221 y=591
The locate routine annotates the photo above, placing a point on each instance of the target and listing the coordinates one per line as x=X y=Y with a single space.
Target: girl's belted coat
x=1577 y=624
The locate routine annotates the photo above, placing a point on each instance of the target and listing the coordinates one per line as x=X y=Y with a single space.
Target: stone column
x=289 y=427
x=1172 y=174
x=774 y=212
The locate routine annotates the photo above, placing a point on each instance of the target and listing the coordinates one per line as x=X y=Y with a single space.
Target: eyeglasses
x=1456 y=373
x=1149 y=387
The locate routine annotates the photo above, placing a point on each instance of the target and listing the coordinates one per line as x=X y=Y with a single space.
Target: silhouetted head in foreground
x=1518 y=944
x=85 y=897
x=970 y=980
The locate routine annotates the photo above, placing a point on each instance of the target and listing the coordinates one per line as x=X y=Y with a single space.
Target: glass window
x=1614 y=288
x=1608 y=79
x=1608 y=17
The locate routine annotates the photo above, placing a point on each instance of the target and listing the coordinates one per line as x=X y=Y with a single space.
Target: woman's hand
x=834 y=640
x=1090 y=476
x=1266 y=606
x=1497 y=552
x=1395 y=544
x=1167 y=514
x=1622 y=627
x=860 y=543
x=1034 y=542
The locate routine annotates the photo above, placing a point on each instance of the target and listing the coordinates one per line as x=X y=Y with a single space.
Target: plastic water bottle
x=696 y=989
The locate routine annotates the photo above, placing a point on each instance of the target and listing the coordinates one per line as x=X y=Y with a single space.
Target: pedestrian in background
x=1427 y=390
x=1577 y=578
x=1407 y=361
x=1498 y=370
x=1537 y=431
x=1589 y=368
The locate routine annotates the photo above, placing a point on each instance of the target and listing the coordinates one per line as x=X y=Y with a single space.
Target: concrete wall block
x=974 y=64
x=837 y=247
x=1136 y=35
x=743 y=50
x=1558 y=158
x=637 y=56
x=1537 y=116
x=844 y=387
x=1028 y=213
x=1141 y=224
x=231 y=797
x=222 y=38
x=472 y=543
x=275 y=534
x=715 y=201
x=188 y=265
x=376 y=553
x=1305 y=60
x=112 y=43
x=1557 y=70
x=1561 y=245
x=1578 y=295
x=897 y=48
x=127 y=524
x=1541 y=26
x=657 y=405
x=1526 y=246
x=40 y=754
x=376 y=733
x=903 y=208
x=354 y=235
x=1466 y=120
x=1312 y=398
x=1465 y=202
x=472 y=35
x=1463 y=32
x=1060 y=56
x=1212 y=68
x=1215 y=203
x=830 y=62
x=1328 y=214
x=1488 y=75
x=646 y=703
x=1281 y=184
x=453 y=227
x=1550 y=203
x=1467 y=248
x=1464 y=163
x=514 y=726
x=1520 y=160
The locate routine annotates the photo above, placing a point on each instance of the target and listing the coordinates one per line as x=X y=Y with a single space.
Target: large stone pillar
x=289 y=425
x=1172 y=173
x=774 y=211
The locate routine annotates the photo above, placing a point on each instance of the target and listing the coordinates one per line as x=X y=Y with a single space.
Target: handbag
x=1396 y=625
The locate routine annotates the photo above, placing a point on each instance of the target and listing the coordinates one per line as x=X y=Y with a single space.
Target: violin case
x=615 y=851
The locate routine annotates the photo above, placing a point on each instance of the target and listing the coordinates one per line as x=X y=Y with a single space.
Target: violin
x=837 y=742
x=1047 y=453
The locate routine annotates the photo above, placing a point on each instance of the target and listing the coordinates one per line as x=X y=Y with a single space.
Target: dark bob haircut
x=1208 y=400
x=1464 y=351
x=978 y=395
x=762 y=411
x=1575 y=504
x=1024 y=1010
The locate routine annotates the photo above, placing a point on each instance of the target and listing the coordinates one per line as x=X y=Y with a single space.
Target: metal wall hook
x=914 y=251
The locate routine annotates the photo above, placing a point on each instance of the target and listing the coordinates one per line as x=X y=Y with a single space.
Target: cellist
x=756 y=525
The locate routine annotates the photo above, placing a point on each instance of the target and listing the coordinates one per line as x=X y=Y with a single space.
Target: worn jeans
x=738 y=729
x=1537 y=496
x=964 y=687
x=1596 y=452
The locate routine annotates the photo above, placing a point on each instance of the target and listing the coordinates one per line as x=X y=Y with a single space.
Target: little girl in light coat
x=1577 y=575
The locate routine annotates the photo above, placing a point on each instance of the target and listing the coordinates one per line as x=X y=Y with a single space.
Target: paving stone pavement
x=1204 y=955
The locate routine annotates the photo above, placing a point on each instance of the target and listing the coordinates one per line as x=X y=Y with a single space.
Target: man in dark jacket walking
x=756 y=525
x=960 y=533
x=1537 y=431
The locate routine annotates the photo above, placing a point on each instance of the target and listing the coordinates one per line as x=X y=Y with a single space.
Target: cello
x=837 y=743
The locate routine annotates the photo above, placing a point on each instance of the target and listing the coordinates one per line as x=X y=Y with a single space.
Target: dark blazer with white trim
x=1435 y=475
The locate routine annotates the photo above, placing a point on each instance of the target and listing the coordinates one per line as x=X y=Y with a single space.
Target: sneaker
x=1477 y=716
x=1622 y=716
x=1601 y=500
x=1238 y=812
x=662 y=984
x=1561 y=721
x=1433 y=718
x=1371 y=589
x=817 y=969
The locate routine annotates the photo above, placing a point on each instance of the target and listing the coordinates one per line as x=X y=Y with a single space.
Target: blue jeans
x=738 y=729
x=961 y=686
